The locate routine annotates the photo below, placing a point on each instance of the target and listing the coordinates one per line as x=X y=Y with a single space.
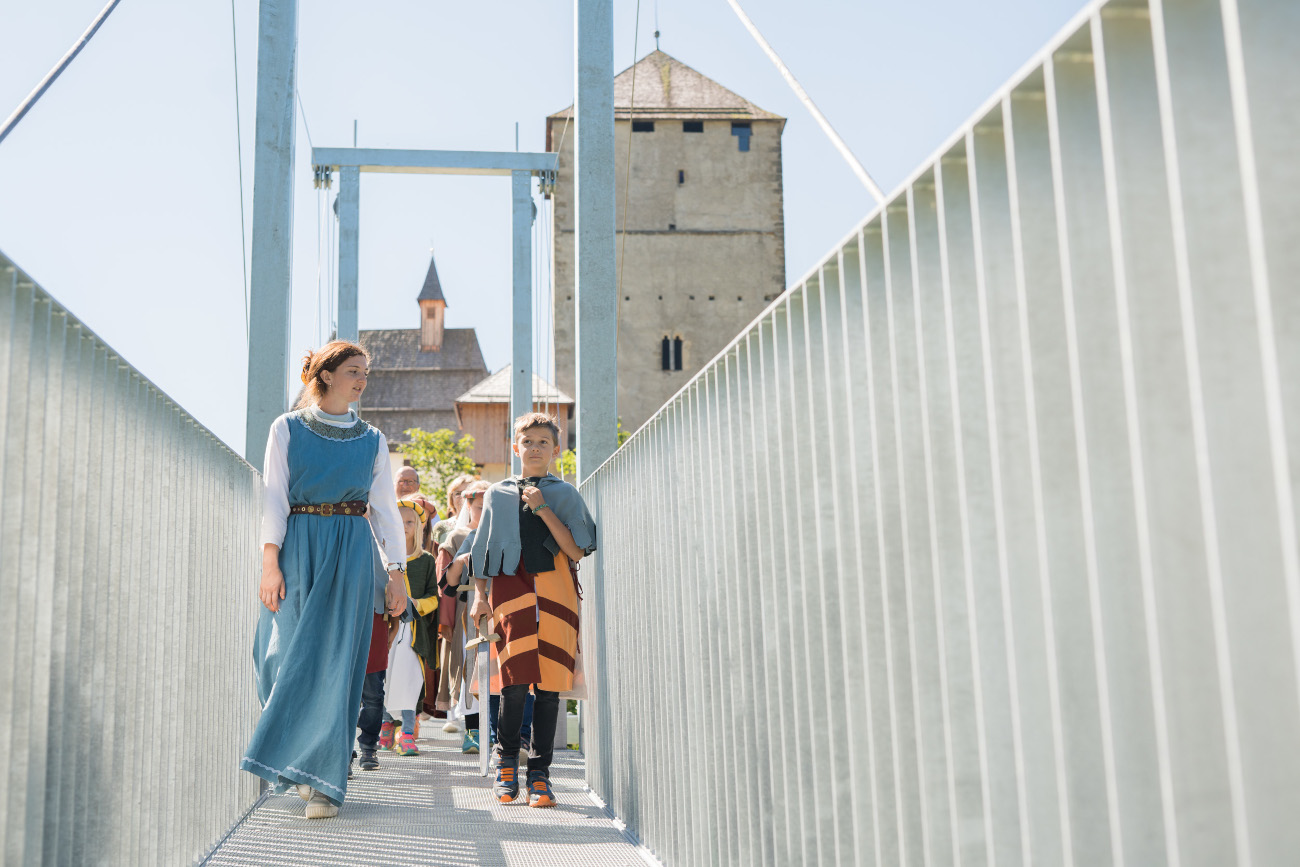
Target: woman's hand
x=481 y=608
x=396 y=593
x=532 y=497
x=271 y=590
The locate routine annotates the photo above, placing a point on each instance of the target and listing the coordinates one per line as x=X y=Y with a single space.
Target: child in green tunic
x=413 y=643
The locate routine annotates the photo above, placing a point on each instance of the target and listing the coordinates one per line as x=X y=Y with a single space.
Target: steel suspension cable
x=825 y=124
x=26 y=105
x=239 y=152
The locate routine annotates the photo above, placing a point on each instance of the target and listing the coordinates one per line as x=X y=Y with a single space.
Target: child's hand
x=271 y=590
x=480 y=609
x=532 y=497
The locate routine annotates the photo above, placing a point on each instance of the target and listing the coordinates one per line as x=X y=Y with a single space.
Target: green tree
x=438 y=457
x=567 y=464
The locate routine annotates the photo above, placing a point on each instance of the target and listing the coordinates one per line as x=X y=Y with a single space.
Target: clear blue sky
x=119 y=192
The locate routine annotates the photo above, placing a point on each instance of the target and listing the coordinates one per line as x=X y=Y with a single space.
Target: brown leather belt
x=351 y=507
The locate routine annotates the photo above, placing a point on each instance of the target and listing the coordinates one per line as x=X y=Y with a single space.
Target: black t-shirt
x=539 y=546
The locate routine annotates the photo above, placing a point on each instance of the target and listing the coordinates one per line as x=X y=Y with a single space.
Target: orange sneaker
x=539 y=790
x=506 y=787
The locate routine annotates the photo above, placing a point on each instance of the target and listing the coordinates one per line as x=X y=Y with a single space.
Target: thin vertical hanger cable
x=330 y=220
x=543 y=325
x=549 y=229
x=239 y=153
x=319 y=284
x=303 y=111
x=548 y=274
x=534 y=299
x=547 y=323
x=627 y=176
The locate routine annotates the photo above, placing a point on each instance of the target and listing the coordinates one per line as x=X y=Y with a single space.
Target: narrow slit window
x=643 y=126
x=677 y=353
x=681 y=177
x=742 y=131
x=666 y=350
x=692 y=126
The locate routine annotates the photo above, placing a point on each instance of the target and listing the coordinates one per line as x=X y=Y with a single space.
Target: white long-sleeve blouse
x=385 y=521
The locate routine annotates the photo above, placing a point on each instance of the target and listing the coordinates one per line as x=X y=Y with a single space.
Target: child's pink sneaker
x=387 y=734
x=406 y=745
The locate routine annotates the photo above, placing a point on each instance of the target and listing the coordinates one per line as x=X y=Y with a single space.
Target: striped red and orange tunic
x=536 y=615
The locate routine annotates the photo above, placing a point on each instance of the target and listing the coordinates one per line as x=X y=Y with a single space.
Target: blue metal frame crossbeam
x=433 y=162
x=351 y=162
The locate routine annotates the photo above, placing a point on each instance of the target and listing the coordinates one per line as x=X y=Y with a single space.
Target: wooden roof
x=666 y=88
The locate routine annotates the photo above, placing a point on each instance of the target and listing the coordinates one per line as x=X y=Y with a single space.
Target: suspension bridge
x=980 y=543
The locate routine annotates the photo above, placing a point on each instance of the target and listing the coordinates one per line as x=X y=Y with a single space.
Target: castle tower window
x=742 y=131
x=681 y=177
x=692 y=126
x=666 y=351
x=677 y=353
x=643 y=126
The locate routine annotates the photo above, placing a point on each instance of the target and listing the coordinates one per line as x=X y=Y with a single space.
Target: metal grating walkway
x=434 y=809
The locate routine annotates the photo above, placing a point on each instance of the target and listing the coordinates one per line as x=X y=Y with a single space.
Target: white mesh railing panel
x=128 y=556
x=980 y=545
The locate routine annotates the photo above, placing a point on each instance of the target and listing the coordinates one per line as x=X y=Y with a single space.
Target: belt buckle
x=327 y=509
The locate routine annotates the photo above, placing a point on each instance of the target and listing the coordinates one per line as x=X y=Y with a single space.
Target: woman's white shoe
x=450 y=726
x=304 y=791
x=320 y=807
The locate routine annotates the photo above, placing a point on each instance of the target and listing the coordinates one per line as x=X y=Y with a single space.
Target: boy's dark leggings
x=546 y=708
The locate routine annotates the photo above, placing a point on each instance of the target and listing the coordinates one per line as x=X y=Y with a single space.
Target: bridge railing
x=980 y=545
x=128 y=541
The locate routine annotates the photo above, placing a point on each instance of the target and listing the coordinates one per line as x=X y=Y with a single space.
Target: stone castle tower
x=705 y=238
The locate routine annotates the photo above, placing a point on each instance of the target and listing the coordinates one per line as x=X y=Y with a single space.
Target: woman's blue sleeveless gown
x=310 y=657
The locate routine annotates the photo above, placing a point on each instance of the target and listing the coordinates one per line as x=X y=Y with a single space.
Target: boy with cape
x=534 y=529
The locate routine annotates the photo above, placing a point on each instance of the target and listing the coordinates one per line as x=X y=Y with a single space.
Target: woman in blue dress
x=323 y=467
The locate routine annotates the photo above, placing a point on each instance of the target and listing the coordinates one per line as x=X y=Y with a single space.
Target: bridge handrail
x=979 y=545
x=129 y=540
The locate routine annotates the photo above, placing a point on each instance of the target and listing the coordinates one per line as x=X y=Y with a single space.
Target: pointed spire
x=432 y=304
x=432 y=289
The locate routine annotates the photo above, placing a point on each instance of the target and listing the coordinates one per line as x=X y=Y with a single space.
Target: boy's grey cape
x=496 y=546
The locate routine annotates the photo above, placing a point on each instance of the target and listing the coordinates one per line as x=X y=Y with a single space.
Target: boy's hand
x=480 y=609
x=532 y=497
